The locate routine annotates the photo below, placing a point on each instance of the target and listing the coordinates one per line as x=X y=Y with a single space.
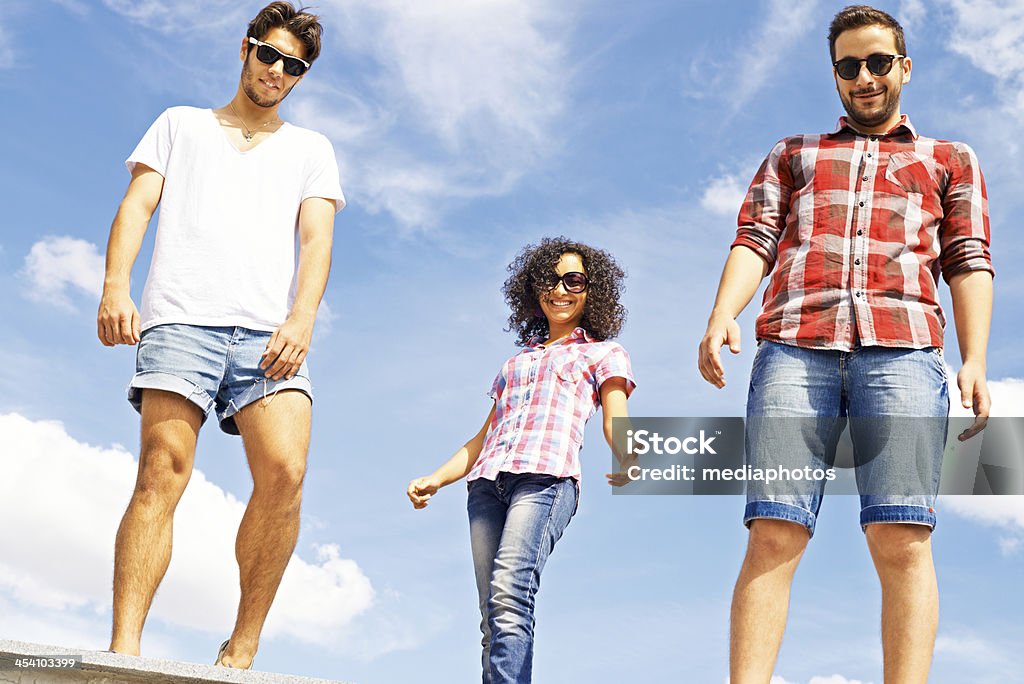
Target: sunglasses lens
x=293 y=67
x=848 y=68
x=880 y=65
x=575 y=282
x=269 y=55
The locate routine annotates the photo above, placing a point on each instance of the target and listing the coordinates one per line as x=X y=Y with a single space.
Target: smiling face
x=267 y=84
x=563 y=309
x=872 y=102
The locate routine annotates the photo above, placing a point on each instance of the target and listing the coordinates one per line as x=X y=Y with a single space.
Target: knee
x=899 y=545
x=282 y=479
x=776 y=541
x=164 y=472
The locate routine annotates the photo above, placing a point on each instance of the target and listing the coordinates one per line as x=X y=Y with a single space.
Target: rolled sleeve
x=964 y=232
x=615 y=364
x=764 y=210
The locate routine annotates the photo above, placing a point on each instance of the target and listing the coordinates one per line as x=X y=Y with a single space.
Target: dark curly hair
x=603 y=315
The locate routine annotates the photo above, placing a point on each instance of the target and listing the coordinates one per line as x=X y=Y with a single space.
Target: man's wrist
x=720 y=313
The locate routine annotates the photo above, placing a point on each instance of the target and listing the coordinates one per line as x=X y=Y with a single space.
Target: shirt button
x=864 y=178
x=869 y=155
x=858 y=294
x=857 y=261
x=860 y=232
x=862 y=204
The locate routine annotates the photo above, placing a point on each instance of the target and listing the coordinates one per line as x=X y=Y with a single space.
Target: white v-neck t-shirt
x=226 y=250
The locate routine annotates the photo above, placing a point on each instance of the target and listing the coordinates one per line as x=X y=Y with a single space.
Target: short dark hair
x=603 y=315
x=859 y=16
x=300 y=23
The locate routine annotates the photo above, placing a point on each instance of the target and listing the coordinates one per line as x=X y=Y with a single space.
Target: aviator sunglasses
x=573 y=281
x=878 y=64
x=268 y=54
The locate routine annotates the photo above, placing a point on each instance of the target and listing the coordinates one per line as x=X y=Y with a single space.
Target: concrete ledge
x=97 y=667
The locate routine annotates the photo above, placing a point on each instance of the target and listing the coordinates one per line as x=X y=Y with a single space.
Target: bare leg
x=910 y=599
x=276 y=436
x=760 y=601
x=142 y=551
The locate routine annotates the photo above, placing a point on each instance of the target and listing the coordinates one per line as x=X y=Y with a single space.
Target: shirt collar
x=903 y=125
x=576 y=336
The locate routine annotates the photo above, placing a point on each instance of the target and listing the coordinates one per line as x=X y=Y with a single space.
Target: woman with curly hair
x=522 y=467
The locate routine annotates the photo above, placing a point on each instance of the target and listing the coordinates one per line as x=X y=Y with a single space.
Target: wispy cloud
x=479 y=85
x=990 y=34
x=7 y=55
x=182 y=16
x=57 y=267
x=73 y=494
x=778 y=31
x=723 y=195
x=1005 y=513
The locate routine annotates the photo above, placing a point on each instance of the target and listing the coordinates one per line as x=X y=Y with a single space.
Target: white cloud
x=182 y=16
x=1006 y=513
x=55 y=265
x=831 y=679
x=71 y=496
x=782 y=24
x=462 y=102
x=911 y=14
x=7 y=56
x=990 y=34
x=723 y=196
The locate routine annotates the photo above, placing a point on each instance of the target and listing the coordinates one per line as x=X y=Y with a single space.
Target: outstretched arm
x=117 y=321
x=613 y=405
x=457 y=467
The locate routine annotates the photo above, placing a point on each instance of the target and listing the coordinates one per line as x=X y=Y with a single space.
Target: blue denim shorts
x=896 y=402
x=213 y=367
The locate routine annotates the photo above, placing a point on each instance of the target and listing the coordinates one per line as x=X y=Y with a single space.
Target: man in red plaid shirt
x=856 y=227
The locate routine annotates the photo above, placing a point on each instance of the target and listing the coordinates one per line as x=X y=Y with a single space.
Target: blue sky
x=463 y=132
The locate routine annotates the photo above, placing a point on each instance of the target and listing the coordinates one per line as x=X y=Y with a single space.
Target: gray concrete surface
x=95 y=667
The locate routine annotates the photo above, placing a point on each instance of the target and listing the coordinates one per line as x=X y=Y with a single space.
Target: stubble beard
x=249 y=82
x=890 y=105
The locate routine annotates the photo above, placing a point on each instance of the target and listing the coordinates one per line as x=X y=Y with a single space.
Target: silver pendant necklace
x=249 y=132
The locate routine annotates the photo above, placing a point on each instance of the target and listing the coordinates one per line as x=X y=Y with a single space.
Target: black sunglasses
x=268 y=54
x=573 y=281
x=878 y=64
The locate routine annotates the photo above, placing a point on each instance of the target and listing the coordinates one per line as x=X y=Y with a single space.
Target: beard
x=876 y=115
x=249 y=82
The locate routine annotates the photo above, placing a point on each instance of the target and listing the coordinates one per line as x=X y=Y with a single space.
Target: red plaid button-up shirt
x=858 y=228
x=543 y=398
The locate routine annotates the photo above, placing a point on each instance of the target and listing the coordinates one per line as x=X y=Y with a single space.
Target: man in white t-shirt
x=227 y=315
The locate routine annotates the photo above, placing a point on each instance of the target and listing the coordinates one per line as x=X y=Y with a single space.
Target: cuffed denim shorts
x=213 y=367
x=896 y=402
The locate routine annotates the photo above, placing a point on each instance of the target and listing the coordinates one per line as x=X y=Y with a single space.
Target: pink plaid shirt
x=858 y=228
x=543 y=398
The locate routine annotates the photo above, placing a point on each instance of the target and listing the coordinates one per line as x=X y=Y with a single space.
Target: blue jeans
x=514 y=522
x=897 y=402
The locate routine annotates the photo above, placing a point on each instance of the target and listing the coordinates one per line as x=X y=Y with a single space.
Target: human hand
x=621 y=476
x=421 y=489
x=722 y=329
x=974 y=395
x=287 y=347
x=117 y=321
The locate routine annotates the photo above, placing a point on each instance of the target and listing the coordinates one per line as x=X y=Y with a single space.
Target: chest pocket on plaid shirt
x=568 y=368
x=914 y=173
